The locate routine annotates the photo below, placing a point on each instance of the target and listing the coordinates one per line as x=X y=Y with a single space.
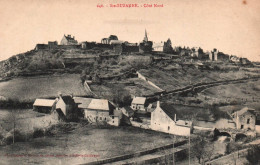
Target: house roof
x=100 y=104
x=168 y=109
x=244 y=110
x=139 y=100
x=82 y=102
x=128 y=109
x=68 y=99
x=69 y=38
x=44 y=102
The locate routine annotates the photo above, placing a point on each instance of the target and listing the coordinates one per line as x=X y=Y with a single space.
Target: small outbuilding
x=139 y=103
x=44 y=105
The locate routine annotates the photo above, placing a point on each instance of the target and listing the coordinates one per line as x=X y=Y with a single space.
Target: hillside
x=44 y=73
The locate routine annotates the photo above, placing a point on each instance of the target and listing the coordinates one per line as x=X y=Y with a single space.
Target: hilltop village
x=147 y=85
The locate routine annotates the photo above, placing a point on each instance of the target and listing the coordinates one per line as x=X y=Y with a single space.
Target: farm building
x=245 y=119
x=138 y=103
x=66 y=108
x=164 y=119
x=44 y=105
x=101 y=110
x=68 y=40
x=82 y=103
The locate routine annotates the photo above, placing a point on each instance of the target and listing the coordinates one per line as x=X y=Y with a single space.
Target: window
x=242 y=126
x=168 y=128
x=100 y=118
x=105 y=118
x=248 y=121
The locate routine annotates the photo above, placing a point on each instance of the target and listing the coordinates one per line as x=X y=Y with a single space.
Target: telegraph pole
x=173 y=149
x=189 y=150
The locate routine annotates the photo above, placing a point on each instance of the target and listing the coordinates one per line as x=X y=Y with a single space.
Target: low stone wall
x=128 y=156
x=149 y=82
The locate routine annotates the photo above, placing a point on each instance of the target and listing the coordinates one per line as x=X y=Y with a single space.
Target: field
x=181 y=77
x=243 y=94
x=27 y=89
x=78 y=144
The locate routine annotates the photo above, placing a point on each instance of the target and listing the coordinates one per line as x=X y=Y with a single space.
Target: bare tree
x=12 y=119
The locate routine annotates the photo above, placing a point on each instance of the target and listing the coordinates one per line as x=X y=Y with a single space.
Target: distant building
x=88 y=45
x=68 y=40
x=40 y=47
x=44 y=105
x=52 y=44
x=234 y=59
x=245 y=119
x=138 y=103
x=164 y=119
x=66 y=108
x=158 y=46
x=215 y=55
x=244 y=61
x=109 y=39
x=146 y=46
x=167 y=46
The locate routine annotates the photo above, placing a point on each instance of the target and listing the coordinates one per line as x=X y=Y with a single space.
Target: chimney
x=175 y=117
x=158 y=104
x=59 y=94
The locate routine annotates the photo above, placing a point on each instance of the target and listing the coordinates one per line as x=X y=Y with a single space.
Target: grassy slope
x=44 y=86
x=246 y=94
x=85 y=141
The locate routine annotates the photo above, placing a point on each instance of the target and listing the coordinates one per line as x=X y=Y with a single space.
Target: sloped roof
x=82 y=102
x=44 y=102
x=68 y=99
x=69 y=38
x=168 y=109
x=139 y=100
x=244 y=110
x=100 y=104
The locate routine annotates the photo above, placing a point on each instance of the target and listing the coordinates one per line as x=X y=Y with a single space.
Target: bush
x=18 y=137
x=38 y=133
x=253 y=155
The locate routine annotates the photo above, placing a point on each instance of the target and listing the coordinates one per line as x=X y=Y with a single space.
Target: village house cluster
x=160 y=117
x=120 y=47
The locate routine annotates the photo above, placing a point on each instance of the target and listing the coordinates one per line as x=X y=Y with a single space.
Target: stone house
x=66 y=108
x=83 y=104
x=68 y=40
x=44 y=105
x=139 y=103
x=245 y=119
x=163 y=119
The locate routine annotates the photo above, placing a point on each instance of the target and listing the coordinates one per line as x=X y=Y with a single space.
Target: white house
x=164 y=120
x=245 y=118
x=138 y=103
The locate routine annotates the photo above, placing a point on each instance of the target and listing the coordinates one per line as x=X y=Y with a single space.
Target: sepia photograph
x=129 y=82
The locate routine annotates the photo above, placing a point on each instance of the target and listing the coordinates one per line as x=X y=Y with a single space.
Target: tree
x=12 y=118
x=202 y=149
x=253 y=154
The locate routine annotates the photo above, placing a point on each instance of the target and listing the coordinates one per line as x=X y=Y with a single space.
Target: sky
x=231 y=26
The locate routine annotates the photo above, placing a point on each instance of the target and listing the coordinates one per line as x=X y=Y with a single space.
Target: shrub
x=38 y=133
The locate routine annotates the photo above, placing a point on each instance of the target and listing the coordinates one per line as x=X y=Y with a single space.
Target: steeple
x=145 y=36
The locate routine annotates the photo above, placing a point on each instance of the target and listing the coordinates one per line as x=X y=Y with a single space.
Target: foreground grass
x=104 y=142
